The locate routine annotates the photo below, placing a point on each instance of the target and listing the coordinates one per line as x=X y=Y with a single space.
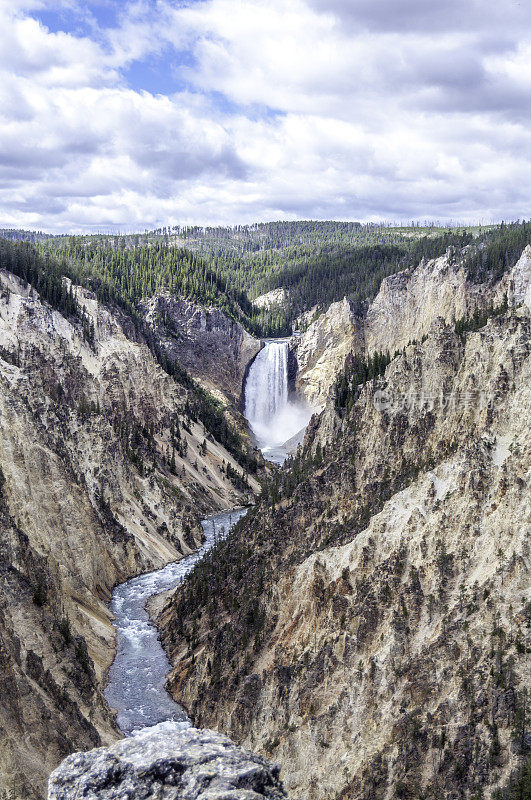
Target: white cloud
x=292 y=109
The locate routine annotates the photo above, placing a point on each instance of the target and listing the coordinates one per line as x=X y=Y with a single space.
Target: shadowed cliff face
x=403 y=311
x=368 y=627
x=215 y=350
x=103 y=475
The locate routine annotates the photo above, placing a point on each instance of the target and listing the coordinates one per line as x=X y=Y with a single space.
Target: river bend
x=138 y=674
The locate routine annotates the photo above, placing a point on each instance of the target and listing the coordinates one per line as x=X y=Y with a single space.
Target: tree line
x=316 y=262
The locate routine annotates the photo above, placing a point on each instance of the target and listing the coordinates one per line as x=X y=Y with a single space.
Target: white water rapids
x=137 y=676
x=274 y=417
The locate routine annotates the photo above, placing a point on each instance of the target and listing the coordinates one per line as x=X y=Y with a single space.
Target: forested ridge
x=19 y=235
x=316 y=262
x=321 y=272
x=116 y=282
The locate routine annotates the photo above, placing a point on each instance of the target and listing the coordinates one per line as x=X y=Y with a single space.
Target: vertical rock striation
x=212 y=348
x=321 y=351
x=376 y=640
x=89 y=495
x=404 y=309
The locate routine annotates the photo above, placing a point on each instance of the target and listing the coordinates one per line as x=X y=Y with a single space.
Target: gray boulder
x=176 y=765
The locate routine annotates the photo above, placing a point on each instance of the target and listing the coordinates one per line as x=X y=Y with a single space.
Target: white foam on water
x=138 y=673
x=274 y=417
x=168 y=726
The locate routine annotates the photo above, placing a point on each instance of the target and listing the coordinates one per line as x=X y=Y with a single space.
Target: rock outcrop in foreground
x=184 y=765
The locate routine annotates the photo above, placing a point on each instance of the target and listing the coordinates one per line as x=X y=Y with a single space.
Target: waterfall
x=274 y=417
x=266 y=390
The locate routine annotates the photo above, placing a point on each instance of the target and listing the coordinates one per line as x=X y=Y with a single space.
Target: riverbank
x=136 y=679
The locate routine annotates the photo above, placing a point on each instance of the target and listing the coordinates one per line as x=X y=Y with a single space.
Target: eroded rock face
x=408 y=303
x=385 y=651
x=403 y=311
x=276 y=297
x=519 y=281
x=321 y=351
x=212 y=348
x=189 y=765
x=88 y=498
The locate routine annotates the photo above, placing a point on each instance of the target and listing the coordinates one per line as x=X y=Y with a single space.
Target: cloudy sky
x=126 y=115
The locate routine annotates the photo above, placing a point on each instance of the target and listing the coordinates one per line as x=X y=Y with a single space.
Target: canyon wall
x=215 y=350
x=94 y=487
x=320 y=352
x=403 y=311
x=368 y=624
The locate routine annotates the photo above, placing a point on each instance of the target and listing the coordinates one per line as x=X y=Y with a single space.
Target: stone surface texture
x=387 y=651
x=276 y=297
x=214 y=349
x=403 y=311
x=188 y=765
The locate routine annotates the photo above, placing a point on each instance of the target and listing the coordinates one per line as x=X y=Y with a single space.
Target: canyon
x=366 y=626
x=371 y=617
x=90 y=495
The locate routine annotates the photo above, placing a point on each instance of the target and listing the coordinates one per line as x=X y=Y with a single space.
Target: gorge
x=135 y=687
x=379 y=630
x=265 y=400
x=365 y=624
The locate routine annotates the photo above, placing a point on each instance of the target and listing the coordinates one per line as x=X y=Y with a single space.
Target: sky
x=132 y=115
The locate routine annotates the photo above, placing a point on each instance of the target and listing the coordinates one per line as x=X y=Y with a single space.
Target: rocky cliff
x=321 y=350
x=403 y=311
x=212 y=348
x=368 y=625
x=276 y=297
x=103 y=474
x=185 y=765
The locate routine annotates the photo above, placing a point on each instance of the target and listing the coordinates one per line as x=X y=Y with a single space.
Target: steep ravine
x=162 y=754
x=103 y=475
x=368 y=626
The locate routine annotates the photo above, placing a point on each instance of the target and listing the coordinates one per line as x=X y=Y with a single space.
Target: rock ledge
x=178 y=765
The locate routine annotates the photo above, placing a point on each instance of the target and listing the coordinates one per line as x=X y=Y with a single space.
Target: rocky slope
x=185 y=765
x=103 y=474
x=403 y=310
x=215 y=350
x=276 y=297
x=321 y=350
x=368 y=626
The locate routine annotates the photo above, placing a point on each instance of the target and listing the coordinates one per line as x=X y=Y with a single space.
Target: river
x=138 y=673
